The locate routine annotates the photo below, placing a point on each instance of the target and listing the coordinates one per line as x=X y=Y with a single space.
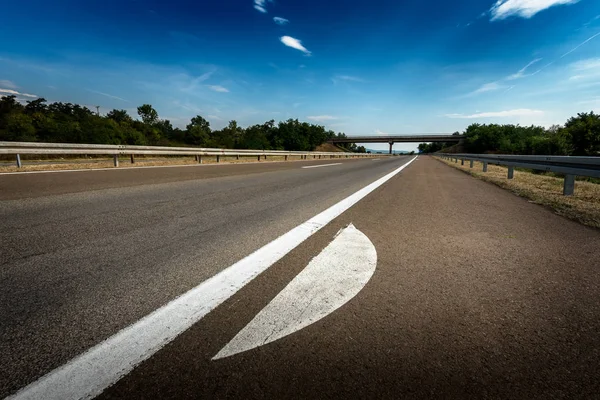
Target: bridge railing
x=22 y=148
x=569 y=166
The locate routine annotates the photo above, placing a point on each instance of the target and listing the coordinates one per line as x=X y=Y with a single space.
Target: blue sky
x=374 y=67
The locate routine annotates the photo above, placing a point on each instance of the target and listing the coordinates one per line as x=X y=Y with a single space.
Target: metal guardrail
x=567 y=165
x=19 y=148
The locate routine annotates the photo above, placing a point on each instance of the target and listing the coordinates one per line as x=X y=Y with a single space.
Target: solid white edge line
x=321 y=165
x=88 y=374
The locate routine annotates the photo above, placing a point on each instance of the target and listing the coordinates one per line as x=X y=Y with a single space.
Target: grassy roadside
x=139 y=162
x=583 y=207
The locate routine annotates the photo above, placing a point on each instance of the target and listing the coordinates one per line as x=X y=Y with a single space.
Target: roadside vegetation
x=38 y=121
x=583 y=206
x=580 y=136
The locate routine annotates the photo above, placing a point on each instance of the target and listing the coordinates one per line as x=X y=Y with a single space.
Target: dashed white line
x=88 y=374
x=321 y=165
x=330 y=280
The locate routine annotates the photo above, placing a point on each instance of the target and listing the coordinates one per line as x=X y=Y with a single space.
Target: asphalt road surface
x=433 y=285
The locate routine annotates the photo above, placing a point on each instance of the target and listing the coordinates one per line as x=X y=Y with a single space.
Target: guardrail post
x=511 y=172
x=132 y=159
x=259 y=157
x=471 y=164
x=218 y=158
x=569 y=187
x=265 y=156
x=319 y=156
x=199 y=159
x=116 y=160
x=286 y=157
x=237 y=156
x=485 y=166
x=462 y=161
x=19 y=165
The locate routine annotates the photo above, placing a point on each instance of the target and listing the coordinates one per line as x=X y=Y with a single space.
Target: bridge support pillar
x=391 y=146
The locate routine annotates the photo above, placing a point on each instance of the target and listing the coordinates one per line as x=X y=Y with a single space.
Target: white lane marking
x=376 y=159
x=322 y=165
x=330 y=280
x=88 y=374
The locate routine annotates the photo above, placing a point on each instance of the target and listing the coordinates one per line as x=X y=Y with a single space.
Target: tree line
x=580 y=136
x=38 y=121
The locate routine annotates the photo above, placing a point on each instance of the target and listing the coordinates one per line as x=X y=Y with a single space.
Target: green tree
x=584 y=133
x=197 y=131
x=119 y=115
x=148 y=114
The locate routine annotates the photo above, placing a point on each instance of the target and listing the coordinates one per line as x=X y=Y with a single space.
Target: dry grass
x=583 y=206
x=139 y=162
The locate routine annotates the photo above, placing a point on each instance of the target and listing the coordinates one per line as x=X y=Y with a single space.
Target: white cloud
x=522 y=112
x=584 y=65
x=488 y=87
x=218 y=88
x=586 y=69
x=521 y=72
x=9 y=92
x=280 y=21
x=261 y=5
x=523 y=8
x=348 y=78
x=8 y=84
x=294 y=44
x=322 y=118
x=579 y=45
x=107 y=95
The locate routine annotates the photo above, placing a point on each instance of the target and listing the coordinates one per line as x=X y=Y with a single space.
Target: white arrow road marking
x=329 y=281
x=88 y=374
x=321 y=165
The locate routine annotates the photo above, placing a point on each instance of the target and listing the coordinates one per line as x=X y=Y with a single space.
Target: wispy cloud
x=218 y=88
x=586 y=69
x=523 y=8
x=522 y=112
x=488 y=87
x=8 y=84
x=579 y=45
x=584 y=65
x=521 y=73
x=261 y=5
x=107 y=95
x=322 y=118
x=294 y=44
x=281 y=21
x=4 y=92
x=348 y=78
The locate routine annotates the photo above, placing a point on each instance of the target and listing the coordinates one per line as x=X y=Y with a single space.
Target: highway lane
x=40 y=184
x=477 y=293
x=85 y=254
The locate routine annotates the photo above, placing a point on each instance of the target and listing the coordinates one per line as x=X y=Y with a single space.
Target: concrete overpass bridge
x=421 y=138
